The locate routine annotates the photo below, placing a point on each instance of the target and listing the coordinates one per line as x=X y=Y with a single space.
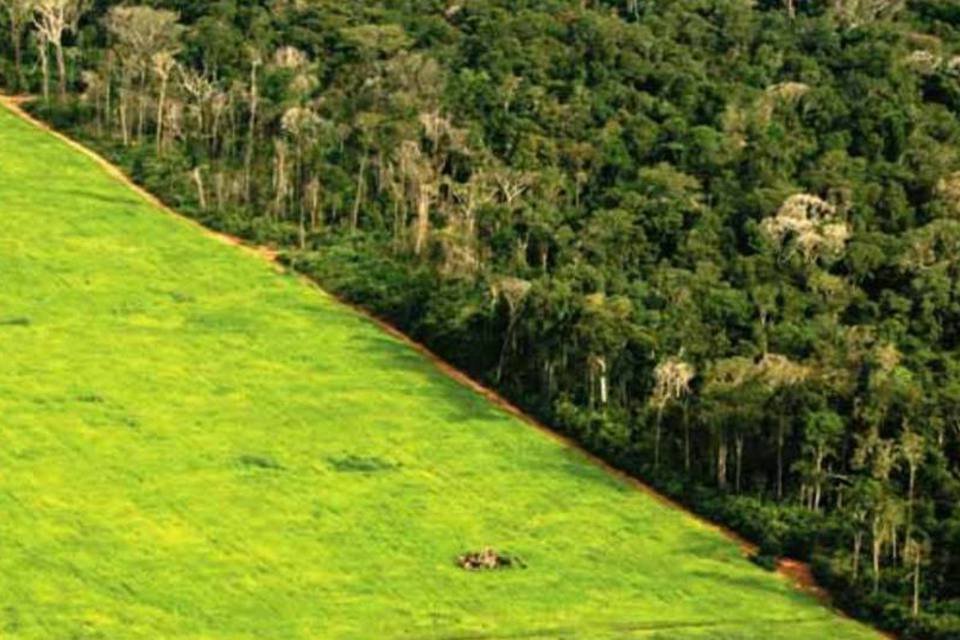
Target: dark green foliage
x=765 y=561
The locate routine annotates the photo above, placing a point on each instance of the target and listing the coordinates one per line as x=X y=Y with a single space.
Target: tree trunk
x=61 y=71
x=358 y=200
x=656 y=438
x=280 y=178
x=910 y=488
x=141 y=107
x=781 y=436
x=722 y=461
x=45 y=70
x=818 y=480
x=507 y=341
x=604 y=382
x=15 y=38
x=251 y=136
x=738 y=446
x=108 y=94
x=124 y=120
x=218 y=188
x=894 y=545
x=216 y=145
x=857 y=546
x=201 y=194
x=302 y=230
x=423 y=220
x=915 y=609
x=686 y=439
x=877 y=548
x=160 y=105
x=312 y=203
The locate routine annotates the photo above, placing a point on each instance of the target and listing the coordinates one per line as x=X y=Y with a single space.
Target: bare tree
x=163 y=65
x=672 y=379
x=43 y=49
x=513 y=185
x=53 y=18
x=146 y=41
x=443 y=140
x=810 y=225
x=254 y=99
x=301 y=124
x=423 y=170
x=879 y=456
x=459 y=237
x=780 y=374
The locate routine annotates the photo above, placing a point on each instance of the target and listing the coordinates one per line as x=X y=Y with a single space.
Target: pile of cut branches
x=488 y=560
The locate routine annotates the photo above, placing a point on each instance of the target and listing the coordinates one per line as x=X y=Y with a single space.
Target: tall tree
x=915 y=553
x=146 y=41
x=52 y=19
x=782 y=376
x=913 y=449
x=823 y=431
x=672 y=379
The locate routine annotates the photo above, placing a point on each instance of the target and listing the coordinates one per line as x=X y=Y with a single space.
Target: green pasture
x=195 y=446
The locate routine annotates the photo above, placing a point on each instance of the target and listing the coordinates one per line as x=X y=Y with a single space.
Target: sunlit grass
x=193 y=446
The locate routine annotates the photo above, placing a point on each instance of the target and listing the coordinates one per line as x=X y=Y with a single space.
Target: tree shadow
x=758 y=581
x=75 y=195
x=457 y=402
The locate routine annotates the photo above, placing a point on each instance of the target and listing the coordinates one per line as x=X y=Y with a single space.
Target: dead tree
x=53 y=18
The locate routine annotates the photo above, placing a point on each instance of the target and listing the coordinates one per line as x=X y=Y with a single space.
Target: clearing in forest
x=195 y=446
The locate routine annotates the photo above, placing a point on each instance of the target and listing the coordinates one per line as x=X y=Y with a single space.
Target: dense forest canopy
x=717 y=241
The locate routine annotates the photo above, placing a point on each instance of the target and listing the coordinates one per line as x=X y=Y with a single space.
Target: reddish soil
x=801 y=576
x=797 y=572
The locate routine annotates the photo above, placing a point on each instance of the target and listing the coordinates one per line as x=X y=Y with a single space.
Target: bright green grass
x=193 y=446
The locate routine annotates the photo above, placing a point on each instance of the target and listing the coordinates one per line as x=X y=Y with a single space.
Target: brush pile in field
x=488 y=559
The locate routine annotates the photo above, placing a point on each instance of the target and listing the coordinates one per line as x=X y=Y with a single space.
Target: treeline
x=716 y=241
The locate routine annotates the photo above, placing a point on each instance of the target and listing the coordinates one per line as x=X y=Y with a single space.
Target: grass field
x=195 y=446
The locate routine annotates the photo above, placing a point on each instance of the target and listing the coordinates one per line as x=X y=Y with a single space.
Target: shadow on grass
x=758 y=581
x=15 y=322
x=578 y=466
x=77 y=195
x=458 y=403
x=463 y=406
